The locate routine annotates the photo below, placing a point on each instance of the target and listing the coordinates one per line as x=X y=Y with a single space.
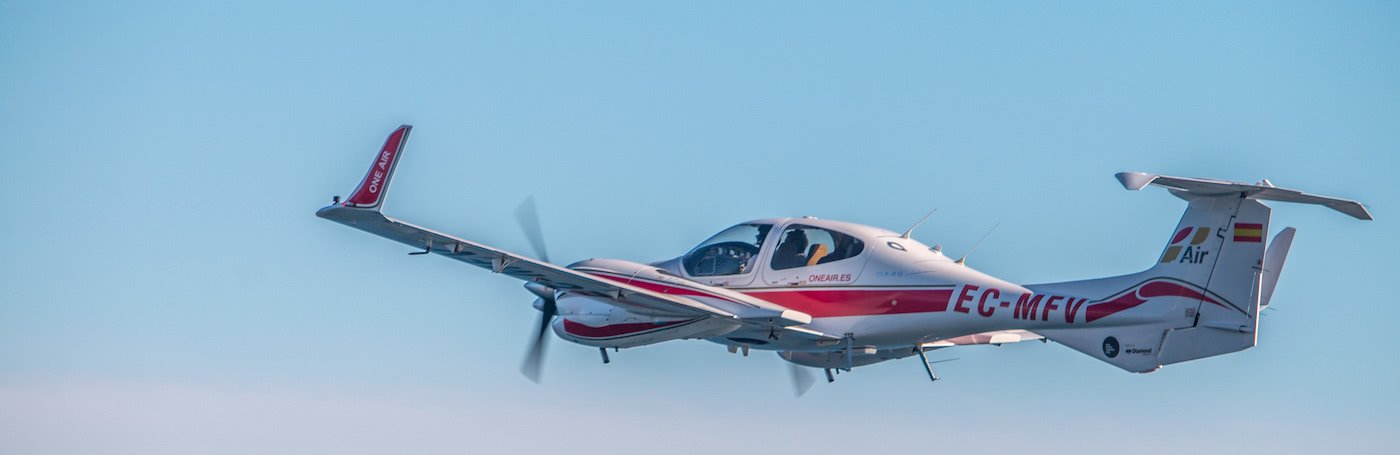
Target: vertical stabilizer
x=1227 y=320
x=1202 y=297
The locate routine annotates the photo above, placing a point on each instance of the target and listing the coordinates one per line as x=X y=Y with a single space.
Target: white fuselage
x=894 y=293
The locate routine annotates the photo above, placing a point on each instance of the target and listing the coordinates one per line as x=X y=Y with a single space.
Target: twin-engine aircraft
x=836 y=295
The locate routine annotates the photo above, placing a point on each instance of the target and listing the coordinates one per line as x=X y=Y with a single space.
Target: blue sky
x=167 y=288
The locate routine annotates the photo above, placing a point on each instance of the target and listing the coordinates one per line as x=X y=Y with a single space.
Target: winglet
x=1134 y=181
x=1190 y=188
x=370 y=193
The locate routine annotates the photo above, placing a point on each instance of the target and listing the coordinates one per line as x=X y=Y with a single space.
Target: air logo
x=1182 y=252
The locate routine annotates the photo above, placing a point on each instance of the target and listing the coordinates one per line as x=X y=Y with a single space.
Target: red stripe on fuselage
x=607 y=331
x=1167 y=288
x=1139 y=296
x=825 y=303
x=828 y=303
x=1099 y=310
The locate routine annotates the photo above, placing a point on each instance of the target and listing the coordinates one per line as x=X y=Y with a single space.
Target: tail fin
x=370 y=193
x=1202 y=297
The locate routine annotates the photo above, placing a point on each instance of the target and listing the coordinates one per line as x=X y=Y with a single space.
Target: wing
x=500 y=261
x=362 y=211
x=995 y=337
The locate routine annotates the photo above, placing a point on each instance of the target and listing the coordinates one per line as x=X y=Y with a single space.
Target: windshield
x=731 y=252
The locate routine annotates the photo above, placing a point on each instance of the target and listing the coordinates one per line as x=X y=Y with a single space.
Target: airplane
x=836 y=295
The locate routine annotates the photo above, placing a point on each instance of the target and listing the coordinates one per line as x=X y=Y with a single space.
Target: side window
x=802 y=246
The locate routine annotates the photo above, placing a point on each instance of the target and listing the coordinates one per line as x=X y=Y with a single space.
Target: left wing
x=362 y=211
x=496 y=260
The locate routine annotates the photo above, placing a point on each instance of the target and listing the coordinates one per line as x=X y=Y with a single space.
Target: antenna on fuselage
x=916 y=224
x=963 y=259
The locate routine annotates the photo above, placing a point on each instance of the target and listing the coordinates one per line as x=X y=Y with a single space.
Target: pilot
x=762 y=235
x=789 y=252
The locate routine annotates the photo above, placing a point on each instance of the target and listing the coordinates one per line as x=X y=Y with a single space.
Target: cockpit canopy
x=733 y=251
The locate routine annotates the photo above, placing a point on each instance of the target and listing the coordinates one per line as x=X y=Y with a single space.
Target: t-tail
x=1203 y=296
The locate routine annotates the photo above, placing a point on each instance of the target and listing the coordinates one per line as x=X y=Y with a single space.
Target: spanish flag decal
x=1249 y=232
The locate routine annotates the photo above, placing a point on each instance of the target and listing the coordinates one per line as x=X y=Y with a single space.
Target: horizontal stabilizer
x=1187 y=187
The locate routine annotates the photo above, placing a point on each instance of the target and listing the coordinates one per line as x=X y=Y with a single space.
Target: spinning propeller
x=801 y=379
x=529 y=218
x=528 y=215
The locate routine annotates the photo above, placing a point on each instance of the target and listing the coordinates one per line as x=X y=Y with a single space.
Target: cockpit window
x=803 y=245
x=731 y=252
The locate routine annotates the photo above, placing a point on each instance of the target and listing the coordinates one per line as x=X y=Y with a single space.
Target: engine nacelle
x=590 y=321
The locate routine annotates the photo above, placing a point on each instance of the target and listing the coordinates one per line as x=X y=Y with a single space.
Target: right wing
x=995 y=337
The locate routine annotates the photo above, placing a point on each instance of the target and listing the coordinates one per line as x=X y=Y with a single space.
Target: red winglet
x=370 y=193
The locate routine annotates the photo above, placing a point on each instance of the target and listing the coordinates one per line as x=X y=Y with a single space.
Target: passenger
x=839 y=251
x=846 y=246
x=789 y=252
